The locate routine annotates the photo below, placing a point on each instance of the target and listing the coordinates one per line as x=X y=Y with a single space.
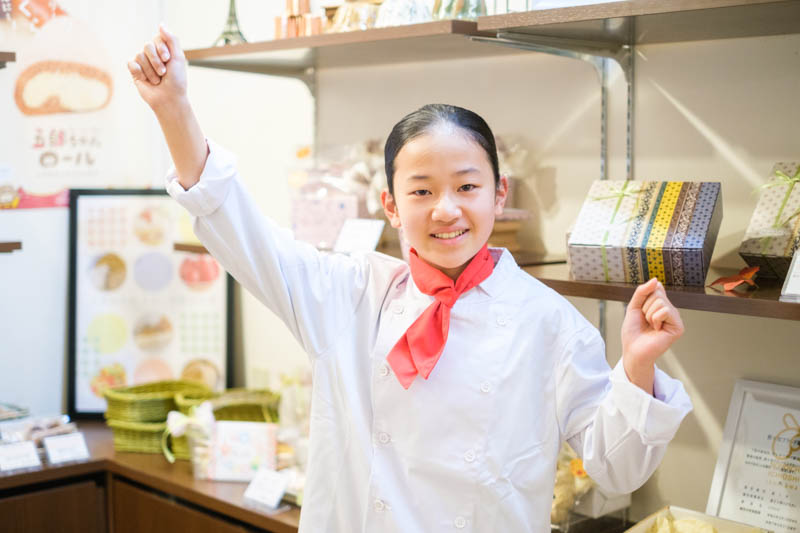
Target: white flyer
x=19 y=455
x=63 y=448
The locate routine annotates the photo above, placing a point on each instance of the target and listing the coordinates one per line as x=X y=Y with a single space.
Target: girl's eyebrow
x=468 y=170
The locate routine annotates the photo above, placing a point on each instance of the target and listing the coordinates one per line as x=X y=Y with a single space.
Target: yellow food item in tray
x=666 y=523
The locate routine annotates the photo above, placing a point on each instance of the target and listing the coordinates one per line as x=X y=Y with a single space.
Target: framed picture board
x=757 y=477
x=140 y=310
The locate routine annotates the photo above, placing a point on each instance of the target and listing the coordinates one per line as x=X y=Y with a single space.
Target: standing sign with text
x=757 y=478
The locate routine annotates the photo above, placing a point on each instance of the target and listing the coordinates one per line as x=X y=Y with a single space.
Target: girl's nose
x=446 y=209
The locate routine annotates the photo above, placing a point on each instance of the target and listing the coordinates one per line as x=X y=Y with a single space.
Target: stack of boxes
x=297 y=21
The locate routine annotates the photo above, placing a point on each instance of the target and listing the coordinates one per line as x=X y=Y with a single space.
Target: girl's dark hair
x=423 y=119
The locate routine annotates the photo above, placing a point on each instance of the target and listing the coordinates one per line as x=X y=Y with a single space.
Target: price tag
x=63 y=448
x=267 y=489
x=359 y=235
x=18 y=455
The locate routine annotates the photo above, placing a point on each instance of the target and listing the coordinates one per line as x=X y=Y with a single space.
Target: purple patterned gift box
x=631 y=231
x=773 y=234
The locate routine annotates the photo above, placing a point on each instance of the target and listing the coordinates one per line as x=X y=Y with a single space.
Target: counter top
x=155 y=472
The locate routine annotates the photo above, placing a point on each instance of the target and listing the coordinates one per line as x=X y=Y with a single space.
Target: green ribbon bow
x=620 y=195
x=781 y=179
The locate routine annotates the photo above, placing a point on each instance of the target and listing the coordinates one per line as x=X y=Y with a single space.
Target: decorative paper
x=141 y=311
x=240 y=449
x=631 y=231
x=773 y=234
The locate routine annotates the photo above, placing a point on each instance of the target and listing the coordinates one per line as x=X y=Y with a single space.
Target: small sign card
x=266 y=490
x=359 y=235
x=63 y=448
x=791 y=287
x=19 y=455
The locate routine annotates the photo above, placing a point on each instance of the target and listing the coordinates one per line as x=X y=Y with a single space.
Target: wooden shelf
x=429 y=41
x=654 y=21
x=193 y=248
x=8 y=247
x=7 y=57
x=762 y=301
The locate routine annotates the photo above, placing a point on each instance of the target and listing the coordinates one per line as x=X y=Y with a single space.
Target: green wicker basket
x=149 y=402
x=138 y=437
x=243 y=405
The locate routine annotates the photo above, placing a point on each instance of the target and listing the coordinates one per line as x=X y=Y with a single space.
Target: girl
x=442 y=388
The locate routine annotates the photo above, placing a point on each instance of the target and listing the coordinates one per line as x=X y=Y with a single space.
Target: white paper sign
x=359 y=235
x=791 y=287
x=63 y=448
x=757 y=481
x=19 y=455
x=267 y=489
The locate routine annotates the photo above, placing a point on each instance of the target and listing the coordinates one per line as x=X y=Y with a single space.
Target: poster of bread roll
x=142 y=311
x=65 y=100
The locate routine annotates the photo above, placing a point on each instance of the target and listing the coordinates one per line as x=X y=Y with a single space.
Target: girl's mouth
x=449 y=235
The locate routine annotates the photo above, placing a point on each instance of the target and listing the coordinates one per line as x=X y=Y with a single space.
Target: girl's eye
x=468 y=187
x=421 y=192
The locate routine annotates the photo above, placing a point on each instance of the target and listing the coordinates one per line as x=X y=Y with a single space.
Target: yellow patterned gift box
x=773 y=234
x=631 y=231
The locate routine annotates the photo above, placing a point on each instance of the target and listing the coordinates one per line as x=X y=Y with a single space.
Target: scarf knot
x=421 y=346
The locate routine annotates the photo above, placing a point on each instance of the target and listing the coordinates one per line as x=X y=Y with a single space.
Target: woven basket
x=138 y=437
x=243 y=405
x=149 y=402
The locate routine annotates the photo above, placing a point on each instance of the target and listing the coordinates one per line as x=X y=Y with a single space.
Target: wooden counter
x=147 y=488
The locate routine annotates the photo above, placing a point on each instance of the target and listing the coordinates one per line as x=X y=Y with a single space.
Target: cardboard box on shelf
x=631 y=231
x=773 y=233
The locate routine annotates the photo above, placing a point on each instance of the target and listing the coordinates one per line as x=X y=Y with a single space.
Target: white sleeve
x=314 y=294
x=619 y=430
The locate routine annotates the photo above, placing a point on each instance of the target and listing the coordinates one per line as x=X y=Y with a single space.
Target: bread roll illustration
x=48 y=87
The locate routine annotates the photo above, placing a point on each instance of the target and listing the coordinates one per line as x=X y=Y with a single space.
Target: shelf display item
x=231 y=34
x=631 y=231
x=400 y=12
x=297 y=21
x=506 y=228
x=679 y=520
x=355 y=15
x=459 y=9
x=773 y=234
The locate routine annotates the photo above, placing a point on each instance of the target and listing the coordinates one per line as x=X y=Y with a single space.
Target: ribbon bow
x=620 y=195
x=200 y=421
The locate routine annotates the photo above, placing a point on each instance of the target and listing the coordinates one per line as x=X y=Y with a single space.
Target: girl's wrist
x=640 y=374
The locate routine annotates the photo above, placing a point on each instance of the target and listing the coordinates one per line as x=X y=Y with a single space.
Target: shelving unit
x=8 y=247
x=609 y=30
x=7 y=57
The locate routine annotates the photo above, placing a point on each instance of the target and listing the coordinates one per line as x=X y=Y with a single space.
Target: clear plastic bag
x=354 y=15
x=459 y=9
x=400 y=12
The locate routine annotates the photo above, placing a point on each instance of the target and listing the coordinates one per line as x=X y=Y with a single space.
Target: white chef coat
x=473 y=447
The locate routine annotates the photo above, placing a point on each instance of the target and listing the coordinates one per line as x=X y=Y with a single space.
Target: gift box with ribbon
x=631 y=231
x=773 y=234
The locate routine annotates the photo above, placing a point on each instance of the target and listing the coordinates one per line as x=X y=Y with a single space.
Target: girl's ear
x=390 y=208
x=500 y=195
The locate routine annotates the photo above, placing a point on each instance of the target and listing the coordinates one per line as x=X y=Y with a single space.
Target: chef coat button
x=501 y=320
x=379 y=506
x=384 y=438
x=469 y=456
x=486 y=386
x=398 y=309
x=460 y=522
x=384 y=371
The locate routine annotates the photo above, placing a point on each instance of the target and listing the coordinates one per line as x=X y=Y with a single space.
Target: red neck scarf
x=420 y=347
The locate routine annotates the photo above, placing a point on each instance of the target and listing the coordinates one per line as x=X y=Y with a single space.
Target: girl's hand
x=159 y=71
x=650 y=327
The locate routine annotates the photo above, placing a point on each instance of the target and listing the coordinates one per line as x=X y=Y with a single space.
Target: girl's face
x=445 y=197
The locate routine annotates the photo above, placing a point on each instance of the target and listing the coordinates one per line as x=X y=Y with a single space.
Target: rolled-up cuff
x=205 y=196
x=658 y=418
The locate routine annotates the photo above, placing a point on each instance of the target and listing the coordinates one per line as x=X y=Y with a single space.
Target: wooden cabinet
x=74 y=507
x=136 y=510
